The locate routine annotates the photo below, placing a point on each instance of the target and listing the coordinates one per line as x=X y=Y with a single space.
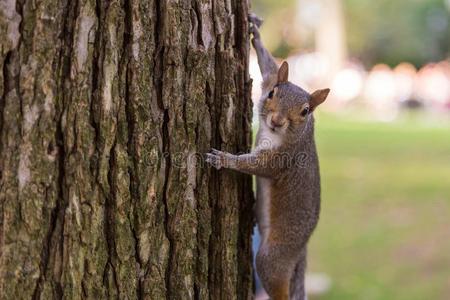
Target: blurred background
x=383 y=137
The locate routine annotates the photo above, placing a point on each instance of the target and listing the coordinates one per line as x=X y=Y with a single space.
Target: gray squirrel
x=287 y=168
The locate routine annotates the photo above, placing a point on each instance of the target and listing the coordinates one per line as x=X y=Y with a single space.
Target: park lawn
x=384 y=231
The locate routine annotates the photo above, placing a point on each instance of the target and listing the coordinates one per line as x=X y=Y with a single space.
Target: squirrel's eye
x=305 y=111
x=271 y=94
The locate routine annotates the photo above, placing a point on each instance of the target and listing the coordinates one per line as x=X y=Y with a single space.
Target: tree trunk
x=105 y=109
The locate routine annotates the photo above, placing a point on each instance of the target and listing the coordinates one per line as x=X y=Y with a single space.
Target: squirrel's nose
x=277 y=120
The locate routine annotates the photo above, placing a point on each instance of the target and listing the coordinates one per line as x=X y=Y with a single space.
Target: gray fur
x=287 y=187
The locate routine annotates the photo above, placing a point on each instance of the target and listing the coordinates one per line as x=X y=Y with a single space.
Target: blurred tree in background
x=377 y=31
x=394 y=31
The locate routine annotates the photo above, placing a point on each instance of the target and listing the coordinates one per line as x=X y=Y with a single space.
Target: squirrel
x=286 y=166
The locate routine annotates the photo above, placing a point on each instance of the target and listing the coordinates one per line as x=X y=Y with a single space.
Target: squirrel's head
x=286 y=109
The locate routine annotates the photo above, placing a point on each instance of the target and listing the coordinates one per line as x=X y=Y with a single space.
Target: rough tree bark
x=104 y=107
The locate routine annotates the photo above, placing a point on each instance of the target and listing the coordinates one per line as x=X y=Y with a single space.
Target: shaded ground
x=385 y=225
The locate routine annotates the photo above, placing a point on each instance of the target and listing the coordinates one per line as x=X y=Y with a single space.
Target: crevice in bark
x=213 y=12
x=215 y=274
x=7 y=83
x=45 y=253
x=131 y=153
x=134 y=195
x=158 y=62
x=166 y=156
x=139 y=291
x=158 y=55
x=19 y=9
x=110 y=213
x=68 y=29
x=198 y=15
x=199 y=243
x=128 y=76
x=83 y=283
x=209 y=93
x=106 y=280
x=97 y=58
x=185 y=125
x=60 y=205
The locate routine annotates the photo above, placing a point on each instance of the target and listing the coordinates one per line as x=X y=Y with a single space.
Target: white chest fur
x=267 y=139
x=263 y=206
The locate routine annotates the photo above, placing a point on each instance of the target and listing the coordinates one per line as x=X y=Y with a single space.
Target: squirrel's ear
x=317 y=98
x=283 y=72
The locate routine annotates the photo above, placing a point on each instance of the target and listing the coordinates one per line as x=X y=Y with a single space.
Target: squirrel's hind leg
x=275 y=266
x=297 y=288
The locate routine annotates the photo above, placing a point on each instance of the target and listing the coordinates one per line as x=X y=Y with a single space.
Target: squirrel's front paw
x=217 y=159
x=255 y=20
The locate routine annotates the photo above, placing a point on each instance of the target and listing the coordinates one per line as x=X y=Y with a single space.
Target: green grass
x=384 y=231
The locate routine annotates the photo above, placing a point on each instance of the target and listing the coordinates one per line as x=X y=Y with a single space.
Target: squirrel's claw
x=255 y=23
x=215 y=151
x=255 y=20
x=217 y=158
x=214 y=160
